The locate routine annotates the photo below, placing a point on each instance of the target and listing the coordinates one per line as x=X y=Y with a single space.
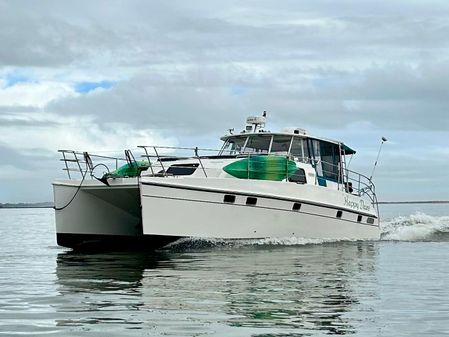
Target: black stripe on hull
x=99 y=242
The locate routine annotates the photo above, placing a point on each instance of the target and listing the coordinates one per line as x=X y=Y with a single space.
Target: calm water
x=204 y=288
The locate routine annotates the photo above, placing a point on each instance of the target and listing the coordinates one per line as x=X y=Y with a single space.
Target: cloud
x=390 y=96
x=35 y=94
x=122 y=74
x=148 y=33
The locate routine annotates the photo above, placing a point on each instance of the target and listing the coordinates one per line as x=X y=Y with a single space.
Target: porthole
x=339 y=214
x=370 y=221
x=359 y=218
x=229 y=198
x=296 y=206
x=251 y=201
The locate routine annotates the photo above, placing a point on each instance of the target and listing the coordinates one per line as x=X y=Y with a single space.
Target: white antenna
x=378 y=154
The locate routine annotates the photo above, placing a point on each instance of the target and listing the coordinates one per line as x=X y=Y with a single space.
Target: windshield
x=233 y=145
x=281 y=144
x=258 y=144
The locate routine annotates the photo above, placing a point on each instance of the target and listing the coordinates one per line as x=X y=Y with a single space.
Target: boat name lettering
x=363 y=206
x=360 y=205
x=351 y=204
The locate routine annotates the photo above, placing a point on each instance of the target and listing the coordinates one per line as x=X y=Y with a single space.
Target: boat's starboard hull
x=187 y=208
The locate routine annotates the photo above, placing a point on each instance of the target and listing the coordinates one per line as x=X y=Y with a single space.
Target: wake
x=416 y=227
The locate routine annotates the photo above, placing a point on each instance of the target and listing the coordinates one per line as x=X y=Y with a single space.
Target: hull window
x=251 y=201
x=370 y=221
x=359 y=218
x=296 y=206
x=229 y=198
x=339 y=214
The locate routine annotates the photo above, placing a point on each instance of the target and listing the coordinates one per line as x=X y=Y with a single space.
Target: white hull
x=96 y=211
x=195 y=207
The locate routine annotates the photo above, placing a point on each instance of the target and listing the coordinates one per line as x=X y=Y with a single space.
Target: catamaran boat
x=259 y=185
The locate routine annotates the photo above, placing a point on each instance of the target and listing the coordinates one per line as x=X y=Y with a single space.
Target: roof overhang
x=345 y=149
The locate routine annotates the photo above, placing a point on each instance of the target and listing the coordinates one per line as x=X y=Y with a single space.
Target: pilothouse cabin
x=323 y=160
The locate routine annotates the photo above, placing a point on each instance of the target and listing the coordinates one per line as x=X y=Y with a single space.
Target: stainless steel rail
x=81 y=162
x=347 y=180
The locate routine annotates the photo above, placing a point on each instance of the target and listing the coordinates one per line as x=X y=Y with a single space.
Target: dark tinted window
x=251 y=201
x=229 y=198
x=329 y=160
x=182 y=169
x=298 y=177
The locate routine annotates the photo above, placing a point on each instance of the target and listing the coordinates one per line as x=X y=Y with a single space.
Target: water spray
x=378 y=154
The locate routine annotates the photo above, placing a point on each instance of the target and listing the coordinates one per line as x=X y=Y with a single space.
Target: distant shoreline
x=27 y=205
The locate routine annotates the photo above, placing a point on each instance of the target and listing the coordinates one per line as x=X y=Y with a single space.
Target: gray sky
x=109 y=75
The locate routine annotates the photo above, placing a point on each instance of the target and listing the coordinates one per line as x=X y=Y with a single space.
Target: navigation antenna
x=378 y=154
x=254 y=123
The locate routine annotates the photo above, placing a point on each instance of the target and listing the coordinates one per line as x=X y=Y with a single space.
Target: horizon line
x=414 y=202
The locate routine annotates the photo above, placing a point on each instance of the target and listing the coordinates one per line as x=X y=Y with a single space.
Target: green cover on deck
x=262 y=168
x=128 y=170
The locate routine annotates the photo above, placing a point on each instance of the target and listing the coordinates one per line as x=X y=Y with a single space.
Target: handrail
x=159 y=157
x=75 y=160
x=347 y=180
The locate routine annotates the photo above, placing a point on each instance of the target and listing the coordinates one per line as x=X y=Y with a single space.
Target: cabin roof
x=345 y=148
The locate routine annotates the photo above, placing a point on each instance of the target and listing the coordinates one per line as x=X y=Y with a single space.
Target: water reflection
x=258 y=290
x=309 y=288
x=102 y=288
x=103 y=272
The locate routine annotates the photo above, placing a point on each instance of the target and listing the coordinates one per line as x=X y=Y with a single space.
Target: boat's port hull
x=97 y=209
x=98 y=242
x=200 y=209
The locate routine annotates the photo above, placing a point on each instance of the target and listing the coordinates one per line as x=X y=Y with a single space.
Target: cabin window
x=299 y=149
x=233 y=146
x=281 y=144
x=251 y=201
x=330 y=160
x=316 y=153
x=182 y=169
x=258 y=144
x=298 y=177
x=326 y=159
